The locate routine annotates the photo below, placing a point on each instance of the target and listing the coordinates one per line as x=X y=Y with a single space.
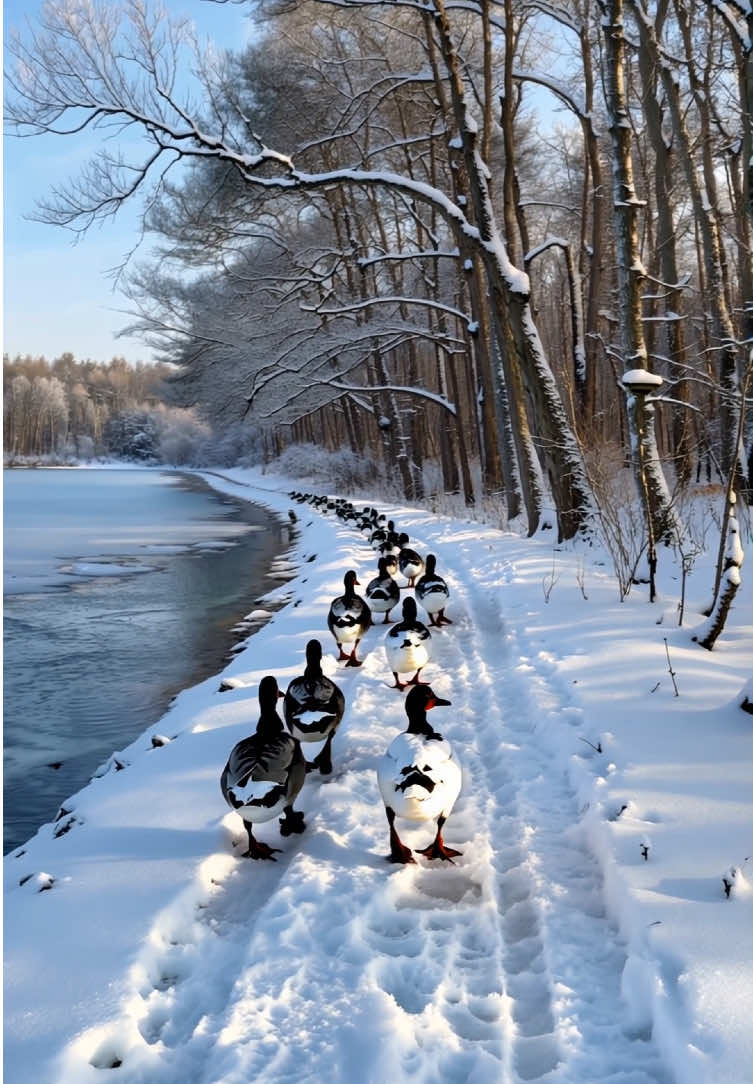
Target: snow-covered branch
x=424 y=302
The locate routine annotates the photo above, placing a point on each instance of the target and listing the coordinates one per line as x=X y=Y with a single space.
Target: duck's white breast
x=410 y=649
x=431 y=759
x=433 y=596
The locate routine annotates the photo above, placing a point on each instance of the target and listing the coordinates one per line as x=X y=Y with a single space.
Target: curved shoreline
x=216 y=633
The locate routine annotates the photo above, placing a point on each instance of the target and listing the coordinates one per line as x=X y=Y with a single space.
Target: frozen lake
x=120 y=588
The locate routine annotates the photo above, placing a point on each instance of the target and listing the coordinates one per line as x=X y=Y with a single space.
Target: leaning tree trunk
x=728 y=584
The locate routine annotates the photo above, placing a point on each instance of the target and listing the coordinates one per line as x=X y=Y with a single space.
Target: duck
x=377 y=536
x=432 y=592
x=264 y=775
x=368 y=519
x=408 y=646
x=390 y=564
x=419 y=777
x=349 y=618
x=391 y=543
x=382 y=592
x=409 y=562
x=314 y=708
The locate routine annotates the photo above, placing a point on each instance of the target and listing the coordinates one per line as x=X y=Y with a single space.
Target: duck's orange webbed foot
x=257 y=849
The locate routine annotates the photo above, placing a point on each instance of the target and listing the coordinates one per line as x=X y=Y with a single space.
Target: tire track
x=563 y=959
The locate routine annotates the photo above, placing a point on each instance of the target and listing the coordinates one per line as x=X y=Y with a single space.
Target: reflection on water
x=89 y=666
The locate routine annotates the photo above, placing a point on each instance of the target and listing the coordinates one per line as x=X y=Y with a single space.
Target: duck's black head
x=382 y=566
x=410 y=610
x=350 y=579
x=403 y=539
x=313 y=657
x=269 y=693
x=419 y=700
x=431 y=564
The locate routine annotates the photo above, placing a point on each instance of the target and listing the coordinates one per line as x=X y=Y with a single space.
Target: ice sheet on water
x=104 y=568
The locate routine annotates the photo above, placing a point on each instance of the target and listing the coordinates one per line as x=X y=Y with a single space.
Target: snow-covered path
x=330 y=964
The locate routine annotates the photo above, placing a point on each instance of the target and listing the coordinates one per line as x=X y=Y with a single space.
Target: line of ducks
x=419 y=776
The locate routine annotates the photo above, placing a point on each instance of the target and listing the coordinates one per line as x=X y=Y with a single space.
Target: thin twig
x=669 y=665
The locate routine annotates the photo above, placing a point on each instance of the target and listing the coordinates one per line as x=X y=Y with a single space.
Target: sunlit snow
x=585 y=935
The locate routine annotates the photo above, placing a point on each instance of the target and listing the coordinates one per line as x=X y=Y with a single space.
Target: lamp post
x=639 y=383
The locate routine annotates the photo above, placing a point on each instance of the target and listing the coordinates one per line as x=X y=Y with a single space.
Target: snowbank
x=585 y=934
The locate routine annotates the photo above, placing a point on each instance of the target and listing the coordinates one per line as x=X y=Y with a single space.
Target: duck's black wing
x=260 y=759
x=383 y=589
x=277 y=760
x=409 y=557
x=431 y=585
x=320 y=695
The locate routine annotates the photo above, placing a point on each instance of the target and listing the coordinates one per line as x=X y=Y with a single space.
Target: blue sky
x=57 y=295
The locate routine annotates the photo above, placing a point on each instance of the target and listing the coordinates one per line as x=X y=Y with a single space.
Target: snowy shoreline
x=567 y=727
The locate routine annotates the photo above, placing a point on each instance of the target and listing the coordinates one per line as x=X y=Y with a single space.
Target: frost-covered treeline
x=435 y=231
x=65 y=406
x=80 y=410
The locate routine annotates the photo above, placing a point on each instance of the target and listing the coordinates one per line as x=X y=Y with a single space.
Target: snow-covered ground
x=584 y=936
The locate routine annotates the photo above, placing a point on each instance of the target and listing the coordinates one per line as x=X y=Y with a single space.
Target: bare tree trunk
x=703 y=211
x=493 y=473
x=520 y=346
x=650 y=481
x=729 y=581
x=665 y=247
x=508 y=136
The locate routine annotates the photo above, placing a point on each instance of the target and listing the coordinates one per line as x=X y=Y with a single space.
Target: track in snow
x=333 y=966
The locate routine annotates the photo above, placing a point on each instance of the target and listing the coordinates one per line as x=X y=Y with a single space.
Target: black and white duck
x=419 y=777
x=433 y=593
x=391 y=544
x=380 y=533
x=409 y=562
x=314 y=707
x=382 y=593
x=368 y=520
x=264 y=774
x=408 y=645
x=349 y=618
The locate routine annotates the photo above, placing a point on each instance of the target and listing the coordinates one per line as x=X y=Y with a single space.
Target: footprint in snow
x=412 y=986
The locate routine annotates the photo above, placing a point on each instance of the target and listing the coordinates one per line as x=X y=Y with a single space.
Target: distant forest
x=65 y=410
x=76 y=408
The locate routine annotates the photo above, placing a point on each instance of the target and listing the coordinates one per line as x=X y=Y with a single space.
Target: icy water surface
x=120 y=589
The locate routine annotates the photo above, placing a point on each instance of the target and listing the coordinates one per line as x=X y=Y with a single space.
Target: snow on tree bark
x=734 y=555
x=650 y=481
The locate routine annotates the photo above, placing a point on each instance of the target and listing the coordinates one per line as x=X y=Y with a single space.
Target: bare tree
x=75 y=74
